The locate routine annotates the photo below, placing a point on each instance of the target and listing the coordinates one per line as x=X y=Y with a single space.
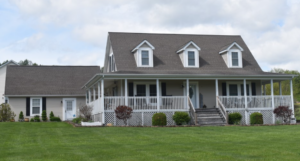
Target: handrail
x=192 y=109
x=222 y=109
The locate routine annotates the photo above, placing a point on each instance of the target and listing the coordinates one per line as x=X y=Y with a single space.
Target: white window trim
x=238 y=83
x=112 y=63
x=139 y=57
x=41 y=108
x=229 y=58
x=185 y=54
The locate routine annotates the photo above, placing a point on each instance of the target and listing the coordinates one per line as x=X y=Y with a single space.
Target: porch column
x=292 y=98
x=273 y=103
x=98 y=91
x=187 y=92
x=121 y=87
x=157 y=94
x=102 y=100
x=126 y=93
x=94 y=93
x=217 y=92
x=246 y=102
x=280 y=90
x=265 y=91
x=89 y=95
x=86 y=96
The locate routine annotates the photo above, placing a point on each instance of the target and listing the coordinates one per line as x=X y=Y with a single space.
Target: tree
x=6 y=113
x=123 y=113
x=86 y=112
x=21 y=116
x=44 y=115
x=27 y=62
x=284 y=112
x=4 y=62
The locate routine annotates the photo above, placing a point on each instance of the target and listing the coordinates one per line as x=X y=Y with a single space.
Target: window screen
x=145 y=57
x=235 y=59
x=191 y=58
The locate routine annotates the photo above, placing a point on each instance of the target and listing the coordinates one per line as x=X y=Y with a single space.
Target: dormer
x=143 y=54
x=189 y=55
x=232 y=55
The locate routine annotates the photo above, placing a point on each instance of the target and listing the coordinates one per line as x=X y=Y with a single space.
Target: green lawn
x=297 y=111
x=60 y=141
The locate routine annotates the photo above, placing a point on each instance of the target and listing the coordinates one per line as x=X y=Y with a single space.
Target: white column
x=157 y=94
x=246 y=102
x=273 y=103
x=217 y=91
x=265 y=91
x=121 y=87
x=187 y=92
x=89 y=95
x=98 y=90
x=102 y=100
x=94 y=93
x=126 y=93
x=292 y=97
x=280 y=90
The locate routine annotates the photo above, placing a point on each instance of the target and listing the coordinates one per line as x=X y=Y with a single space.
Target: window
x=140 y=90
x=235 y=58
x=111 y=63
x=36 y=106
x=233 y=90
x=145 y=57
x=191 y=58
x=247 y=88
x=152 y=89
x=69 y=105
x=236 y=88
x=6 y=100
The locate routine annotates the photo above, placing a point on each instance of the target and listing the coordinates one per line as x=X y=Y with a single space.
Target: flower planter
x=26 y=119
x=91 y=124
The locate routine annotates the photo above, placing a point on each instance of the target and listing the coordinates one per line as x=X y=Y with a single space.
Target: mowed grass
x=60 y=141
x=297 y=111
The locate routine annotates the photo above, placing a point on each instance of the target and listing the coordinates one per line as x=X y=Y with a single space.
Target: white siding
x=2 y=82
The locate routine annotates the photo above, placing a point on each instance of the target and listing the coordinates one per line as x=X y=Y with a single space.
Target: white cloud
x=270 y=28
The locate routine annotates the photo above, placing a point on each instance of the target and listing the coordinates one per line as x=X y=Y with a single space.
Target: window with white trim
x=191 y=58
x=112 y=65
x=36 y=106
x=145 y=57
x=236 y=88
x=69 y=105
x=235 y=58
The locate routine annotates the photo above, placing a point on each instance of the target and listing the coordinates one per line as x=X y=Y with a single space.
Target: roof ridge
x=170 y=34
x=56 y=66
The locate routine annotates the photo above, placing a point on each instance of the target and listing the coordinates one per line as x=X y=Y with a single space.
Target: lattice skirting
x=138 y=118
x=267 y=116
x=97 y=117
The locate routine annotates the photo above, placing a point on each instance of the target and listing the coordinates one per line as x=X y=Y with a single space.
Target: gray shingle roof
x=48 y=80
x=167 y=61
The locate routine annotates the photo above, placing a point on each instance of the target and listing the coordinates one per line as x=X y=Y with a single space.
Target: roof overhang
x=142 y=43
x=187 y=45
x=230 y=46
x=100 y=76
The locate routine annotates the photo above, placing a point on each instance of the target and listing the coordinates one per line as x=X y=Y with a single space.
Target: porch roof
x=187 y=75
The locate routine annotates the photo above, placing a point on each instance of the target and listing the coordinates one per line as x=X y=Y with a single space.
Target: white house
x=3 y=79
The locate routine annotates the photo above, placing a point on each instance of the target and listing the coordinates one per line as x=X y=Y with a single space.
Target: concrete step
x=208 y=115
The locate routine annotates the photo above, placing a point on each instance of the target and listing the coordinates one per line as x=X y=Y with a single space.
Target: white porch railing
x=222 y=109
x=147 y=103
x=192 y=111
x=255 y=101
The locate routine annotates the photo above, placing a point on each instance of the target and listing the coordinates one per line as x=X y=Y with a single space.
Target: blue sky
x=74 y=32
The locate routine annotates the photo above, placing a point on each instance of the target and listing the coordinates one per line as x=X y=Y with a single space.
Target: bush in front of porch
x=181 y=118
x=159 y=119
x=256 y=118
x=234 y=118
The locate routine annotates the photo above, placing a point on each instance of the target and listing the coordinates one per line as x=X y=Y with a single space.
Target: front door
x=70 y=108
x=193 y=94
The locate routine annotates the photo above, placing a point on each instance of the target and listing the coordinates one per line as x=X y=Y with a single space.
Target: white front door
x=70 y=108
x=193 y=94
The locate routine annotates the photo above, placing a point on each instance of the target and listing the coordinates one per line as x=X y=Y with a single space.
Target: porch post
x=86 y=97
x=280 y=90
x=121 y=87
x=89 y=95
x=187 y=92
x=246 y=102
x=292 y=98
x=157 y=94
x=98 y=91
x=265 y=92
x=126 y=93
x=273 y=103
x=94 y=93
x=102 y=100
x=217 y=92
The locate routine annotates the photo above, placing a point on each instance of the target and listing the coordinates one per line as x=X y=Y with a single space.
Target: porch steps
x=209 y=117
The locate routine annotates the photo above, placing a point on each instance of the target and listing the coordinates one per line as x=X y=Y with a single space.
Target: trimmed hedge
x=234 y=118
x=181 y=118
x=55 y=119
x=44 y=115
x=256 y=118
x=159 y=119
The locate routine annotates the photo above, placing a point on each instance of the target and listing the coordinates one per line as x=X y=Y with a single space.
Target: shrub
x=86 y=112
x=21 y=117
x=6 y=114
x=256 y=118
x=234 y=118
x=31 y=120
x=51 y=114
x=123 y=113
x=55 y=119
x=77 y=120
x=284 y=112
x=36 y=118
x=44 y=115
x=181 y=118
x=159 y=119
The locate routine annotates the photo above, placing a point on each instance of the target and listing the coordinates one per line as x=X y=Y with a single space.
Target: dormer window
x=232 y=55
x=189 y=55
x=143 y=54
x=112 y=64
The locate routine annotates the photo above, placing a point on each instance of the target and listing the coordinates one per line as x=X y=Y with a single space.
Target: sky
x=74 y=32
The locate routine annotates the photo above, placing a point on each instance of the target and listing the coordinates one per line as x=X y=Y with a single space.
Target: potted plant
x=12 y=119
x=26 y=119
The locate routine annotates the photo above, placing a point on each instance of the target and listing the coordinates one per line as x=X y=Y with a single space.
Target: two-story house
x=207 y=76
